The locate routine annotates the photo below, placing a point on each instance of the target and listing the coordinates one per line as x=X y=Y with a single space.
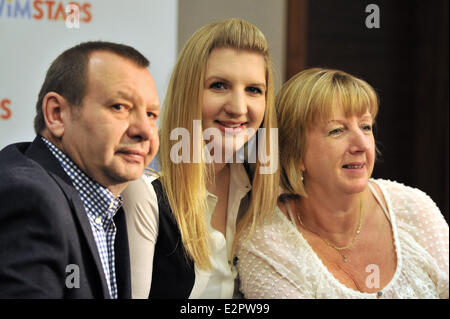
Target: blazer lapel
x=85 y=225
x=122 y=256
x=41 y=154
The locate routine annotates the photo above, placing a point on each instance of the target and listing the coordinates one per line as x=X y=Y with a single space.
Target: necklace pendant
x=345 y=258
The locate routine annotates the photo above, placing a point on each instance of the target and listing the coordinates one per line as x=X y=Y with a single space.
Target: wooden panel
x=296 y=37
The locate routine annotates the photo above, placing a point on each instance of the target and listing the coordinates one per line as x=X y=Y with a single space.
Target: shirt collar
x=239 y=183
x=99 y=202
x=239 y=180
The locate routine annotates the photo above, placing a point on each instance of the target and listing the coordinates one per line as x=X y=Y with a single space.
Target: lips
x=354 y=165
x=231 y=127
x=132 y=155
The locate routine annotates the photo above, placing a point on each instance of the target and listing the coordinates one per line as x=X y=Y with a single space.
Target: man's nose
x=141 y=127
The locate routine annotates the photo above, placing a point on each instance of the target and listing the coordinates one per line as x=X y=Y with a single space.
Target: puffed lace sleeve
x=141 y=208
x=418 y=210
x=419 y=215
x=433 y=230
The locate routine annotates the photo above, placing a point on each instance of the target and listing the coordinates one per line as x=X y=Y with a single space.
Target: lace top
x=277 y=261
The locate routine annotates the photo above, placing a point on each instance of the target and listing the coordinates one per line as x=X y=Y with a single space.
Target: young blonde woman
x=338 y=233
x=182 y=223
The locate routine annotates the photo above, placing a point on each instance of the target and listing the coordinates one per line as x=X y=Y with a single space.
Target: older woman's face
x=340 y=154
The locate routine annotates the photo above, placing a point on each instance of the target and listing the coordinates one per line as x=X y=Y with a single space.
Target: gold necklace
x=330 y=244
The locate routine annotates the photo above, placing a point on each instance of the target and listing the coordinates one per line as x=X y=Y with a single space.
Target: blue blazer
x=47 y=249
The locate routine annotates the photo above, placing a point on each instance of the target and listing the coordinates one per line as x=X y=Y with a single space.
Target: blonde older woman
x=182 y=225
x=336 y=232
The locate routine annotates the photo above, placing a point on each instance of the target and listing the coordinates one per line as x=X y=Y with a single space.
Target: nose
x=140 y=126
x=237 y=104
x=360 y=142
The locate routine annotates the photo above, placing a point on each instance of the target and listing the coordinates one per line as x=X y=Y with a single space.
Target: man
x=62 y=228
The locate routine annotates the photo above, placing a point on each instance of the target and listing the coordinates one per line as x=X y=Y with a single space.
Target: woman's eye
x=367 y=127
x=336 y=131
x=217 y=86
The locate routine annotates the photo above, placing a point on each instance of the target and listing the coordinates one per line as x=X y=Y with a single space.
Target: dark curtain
x=430 y=87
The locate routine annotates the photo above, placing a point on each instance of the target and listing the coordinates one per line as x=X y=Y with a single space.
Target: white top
x=141 y=207
x=277 y=261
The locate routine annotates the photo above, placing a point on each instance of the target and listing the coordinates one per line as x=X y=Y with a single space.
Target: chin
x=134 y=174
x=128 y=174
x=357 y=187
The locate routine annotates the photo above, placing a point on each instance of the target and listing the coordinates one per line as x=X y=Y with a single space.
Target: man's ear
x=56 y=110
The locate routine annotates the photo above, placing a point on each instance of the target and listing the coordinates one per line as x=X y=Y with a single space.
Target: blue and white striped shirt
x=100 y=206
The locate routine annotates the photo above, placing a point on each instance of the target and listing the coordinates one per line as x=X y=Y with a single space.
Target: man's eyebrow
x=155 y=106
x=129 y=96
x=124 y=94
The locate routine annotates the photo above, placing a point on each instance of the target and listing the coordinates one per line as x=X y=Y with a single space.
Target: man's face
x=113 y=136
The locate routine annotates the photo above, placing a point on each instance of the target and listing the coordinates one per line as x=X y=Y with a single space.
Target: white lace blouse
x=277 y=261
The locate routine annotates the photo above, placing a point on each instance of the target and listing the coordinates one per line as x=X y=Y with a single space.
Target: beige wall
x=268 y=15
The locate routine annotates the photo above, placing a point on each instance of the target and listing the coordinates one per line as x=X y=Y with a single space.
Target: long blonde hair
x=185 y=183
x=306 y=98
